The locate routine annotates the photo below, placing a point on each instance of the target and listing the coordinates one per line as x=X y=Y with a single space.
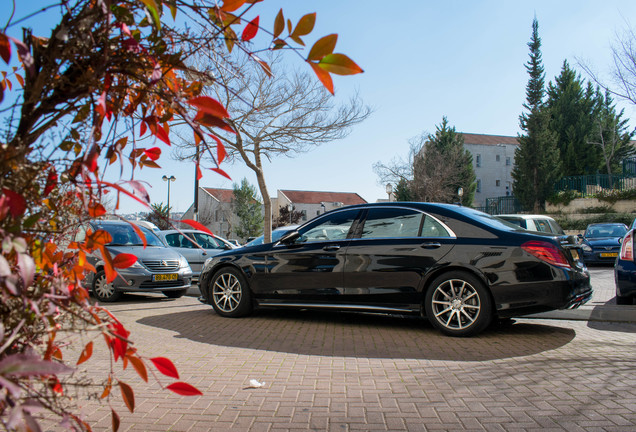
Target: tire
x=175 y=293
x=230 y=294
x=458 y=304
x=104 y=291
x=624 y=300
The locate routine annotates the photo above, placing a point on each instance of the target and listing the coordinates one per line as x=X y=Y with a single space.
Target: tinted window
x=542 y=225
x=335 y=226
x=206 y=241
x=393 y=222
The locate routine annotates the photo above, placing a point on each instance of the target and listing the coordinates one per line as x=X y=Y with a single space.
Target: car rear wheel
x=458 y=304
x=103 y=290
x=175 y=293
x=230 y=294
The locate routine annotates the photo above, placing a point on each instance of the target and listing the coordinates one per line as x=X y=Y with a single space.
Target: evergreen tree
x=610 y=134
x=572 y=117
x=403 y=191
x=247 y=207
x=537 y=163
x=159 y=216
x=442 y=167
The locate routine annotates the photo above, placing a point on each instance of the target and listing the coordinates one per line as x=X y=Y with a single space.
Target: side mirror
x=289 y=237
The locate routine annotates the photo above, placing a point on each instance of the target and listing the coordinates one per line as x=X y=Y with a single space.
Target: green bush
x=580 y=224
x=564 y=197
x=613 y=195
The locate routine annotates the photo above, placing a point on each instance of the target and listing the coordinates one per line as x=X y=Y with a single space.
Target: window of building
x=497 y=158
x=478 y=185
x=304 y=215
x=508 y=161
x=478 y=160
x=497 y=182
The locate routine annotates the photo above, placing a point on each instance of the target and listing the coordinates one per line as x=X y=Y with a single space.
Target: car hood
x=605 y=241
x=148 y=253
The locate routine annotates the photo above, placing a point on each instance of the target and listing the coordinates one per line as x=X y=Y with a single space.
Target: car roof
x=525 y=216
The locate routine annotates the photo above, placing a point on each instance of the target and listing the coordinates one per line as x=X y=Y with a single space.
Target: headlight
x=183 y=263
x=137 y=264
x=586 y=247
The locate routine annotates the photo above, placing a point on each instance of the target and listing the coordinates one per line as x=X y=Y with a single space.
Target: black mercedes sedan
x=457 y=266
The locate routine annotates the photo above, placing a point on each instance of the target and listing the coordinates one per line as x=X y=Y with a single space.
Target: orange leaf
x=199 y=173
x=323 y=46
x=139 y=366
x=106 y=391
x=86 y=353
x=115 y=420
x=323 y=76
x=140 y=233
x=305 y=25
x=5 y=48
x=111 y=274
x=339 y=64
x=223 y=173
x=184 y=389
x=211 y=121
x=128 y=395
x=96 y=209
x=124 y=260
x=232 y=5
x=279 y=24
x=165 y=365
x=196 y=225
x=250 y=30
x=209 y=106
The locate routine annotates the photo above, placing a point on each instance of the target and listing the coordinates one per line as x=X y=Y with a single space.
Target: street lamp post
x=169 y=179
x=460 y=193
x=389 y=190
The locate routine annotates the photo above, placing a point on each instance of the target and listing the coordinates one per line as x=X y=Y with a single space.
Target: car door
x=309 y=268
x=391 y=251
x=193 y=254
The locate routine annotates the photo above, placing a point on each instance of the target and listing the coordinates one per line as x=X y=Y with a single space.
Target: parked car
x=276 y=235
x=158 y=268
x=538 y=223
x=601 y=242
x=625 y=271
x=203 y=247
x=457 y=266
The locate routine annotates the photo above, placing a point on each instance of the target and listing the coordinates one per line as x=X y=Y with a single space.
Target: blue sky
x=423 y=60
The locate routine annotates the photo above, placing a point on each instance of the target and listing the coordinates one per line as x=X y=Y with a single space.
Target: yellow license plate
x=164 y=277
x=574 y=253
x=609 y=254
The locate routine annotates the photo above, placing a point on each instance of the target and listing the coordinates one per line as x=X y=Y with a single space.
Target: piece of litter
x=255 y=384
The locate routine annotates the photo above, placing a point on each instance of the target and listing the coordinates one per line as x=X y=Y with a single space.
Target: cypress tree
x=537 y=163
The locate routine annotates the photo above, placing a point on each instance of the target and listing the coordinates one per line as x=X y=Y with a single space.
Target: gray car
x=196 y=253
x=158 y=268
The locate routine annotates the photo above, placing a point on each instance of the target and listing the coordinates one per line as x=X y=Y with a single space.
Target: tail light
x=627 y=247
x=546 y=252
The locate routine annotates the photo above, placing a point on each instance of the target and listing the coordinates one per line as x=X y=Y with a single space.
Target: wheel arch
x=209 y=274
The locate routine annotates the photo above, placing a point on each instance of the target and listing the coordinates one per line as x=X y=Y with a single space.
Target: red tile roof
x=488 y=139
x=312 y=197
x=223 y=195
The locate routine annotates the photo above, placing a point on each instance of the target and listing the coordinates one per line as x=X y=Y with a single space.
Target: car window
x=334 y=226
x=206 y=241
x=432 y=228
x=393 y=222
x=542 y=225
x=125 y=235
x=173 y=240
x=555 y=227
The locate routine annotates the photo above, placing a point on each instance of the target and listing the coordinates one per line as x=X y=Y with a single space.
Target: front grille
x=162 y=266
x=161 y=284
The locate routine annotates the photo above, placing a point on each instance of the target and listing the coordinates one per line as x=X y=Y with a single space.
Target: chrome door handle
x=331 y=248
x=431 y=245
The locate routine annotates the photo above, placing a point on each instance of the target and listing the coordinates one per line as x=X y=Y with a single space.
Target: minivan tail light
x=546 y=252
x=627 y=247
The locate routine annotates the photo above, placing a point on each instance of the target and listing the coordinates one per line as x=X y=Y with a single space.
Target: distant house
x=493 y=161
x=215 y=211
x=313 y=203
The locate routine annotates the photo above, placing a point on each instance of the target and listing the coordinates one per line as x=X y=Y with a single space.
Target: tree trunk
x=267 y=205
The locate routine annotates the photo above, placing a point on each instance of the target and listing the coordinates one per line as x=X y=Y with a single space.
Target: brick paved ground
x=348 y=372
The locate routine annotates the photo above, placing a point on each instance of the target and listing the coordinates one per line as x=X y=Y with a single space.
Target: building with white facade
x=313 y=203
x=493 y=161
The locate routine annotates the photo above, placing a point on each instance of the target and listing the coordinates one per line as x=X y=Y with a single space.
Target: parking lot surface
x=357 y=372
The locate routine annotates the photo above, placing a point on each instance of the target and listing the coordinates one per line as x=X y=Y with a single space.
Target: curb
x=609 y=313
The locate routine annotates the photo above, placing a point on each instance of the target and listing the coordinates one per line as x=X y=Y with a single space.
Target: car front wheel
x=458 y=304
x=230 y=294
x=103 y=290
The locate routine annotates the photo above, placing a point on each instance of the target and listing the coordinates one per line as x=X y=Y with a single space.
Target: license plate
x=575 y=254
x=609 y=254
x=164 y=277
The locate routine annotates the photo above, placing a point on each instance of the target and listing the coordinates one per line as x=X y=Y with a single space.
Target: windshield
x=276 y=235
x=125 y=235
x=605 y=231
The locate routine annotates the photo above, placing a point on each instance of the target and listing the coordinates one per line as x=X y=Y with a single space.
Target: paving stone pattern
x=356 y=372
